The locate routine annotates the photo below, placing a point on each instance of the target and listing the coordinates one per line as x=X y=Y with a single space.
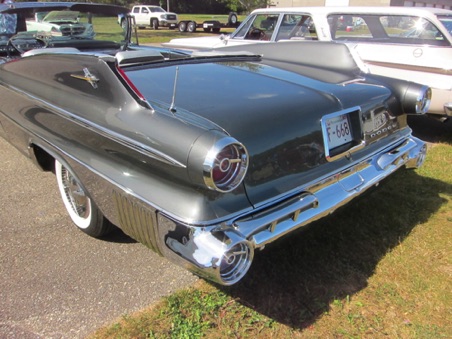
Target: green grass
x=379 y=267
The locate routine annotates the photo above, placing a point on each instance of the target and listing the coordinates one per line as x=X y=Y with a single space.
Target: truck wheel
x=124 y=24
x=232 y=19
x=216 y=30
x=191 y=27
x=154 y=24
x=182 y=26
x=207 y=30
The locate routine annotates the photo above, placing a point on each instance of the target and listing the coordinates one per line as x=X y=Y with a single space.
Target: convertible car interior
x=30 y=26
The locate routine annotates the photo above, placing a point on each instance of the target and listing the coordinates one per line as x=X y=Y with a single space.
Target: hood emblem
x=92 y=79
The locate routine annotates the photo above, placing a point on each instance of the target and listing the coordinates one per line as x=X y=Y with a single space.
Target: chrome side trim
x=412 y=68
x=105 y=132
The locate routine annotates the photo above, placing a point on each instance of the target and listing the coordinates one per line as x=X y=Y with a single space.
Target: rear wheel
x=82 y=210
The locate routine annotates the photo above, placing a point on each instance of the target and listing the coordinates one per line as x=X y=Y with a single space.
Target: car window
x=349 y=26
x=144 y=10
x=447 y=23
x=296 y=26
x=8 y=23
x=136 y=10
x=258 y=27
x=401 y=29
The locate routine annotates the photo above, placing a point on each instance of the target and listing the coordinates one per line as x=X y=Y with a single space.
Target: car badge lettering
x=90 y=78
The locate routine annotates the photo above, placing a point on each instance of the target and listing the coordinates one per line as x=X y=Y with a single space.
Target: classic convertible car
x=409 y=43
x=202 y=157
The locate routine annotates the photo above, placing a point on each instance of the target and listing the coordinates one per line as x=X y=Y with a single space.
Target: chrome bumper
x=223 y=253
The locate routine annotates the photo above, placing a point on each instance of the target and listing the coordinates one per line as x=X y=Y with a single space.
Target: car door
x=141 y=15
x=401 y=46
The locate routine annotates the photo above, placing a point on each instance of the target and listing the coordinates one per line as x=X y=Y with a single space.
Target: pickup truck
x=153 y=16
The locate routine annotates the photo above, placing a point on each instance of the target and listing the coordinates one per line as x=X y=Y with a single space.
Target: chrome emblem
x=90 y=78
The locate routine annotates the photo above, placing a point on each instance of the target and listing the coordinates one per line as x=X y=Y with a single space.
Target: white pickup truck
x=153 y=16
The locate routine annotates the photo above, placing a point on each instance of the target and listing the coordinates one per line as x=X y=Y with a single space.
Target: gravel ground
x=57 y=282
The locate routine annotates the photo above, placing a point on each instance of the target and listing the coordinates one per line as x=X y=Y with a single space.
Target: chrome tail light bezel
x=225 y=165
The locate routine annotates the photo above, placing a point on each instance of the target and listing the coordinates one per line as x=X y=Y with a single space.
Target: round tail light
x=225 y=165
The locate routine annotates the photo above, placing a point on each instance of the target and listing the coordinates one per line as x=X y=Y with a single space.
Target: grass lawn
x=380 y=267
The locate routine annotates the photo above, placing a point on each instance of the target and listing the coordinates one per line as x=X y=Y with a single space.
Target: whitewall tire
x=82 y=210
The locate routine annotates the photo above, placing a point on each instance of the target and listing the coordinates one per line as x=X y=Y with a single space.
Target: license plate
x=338 y=131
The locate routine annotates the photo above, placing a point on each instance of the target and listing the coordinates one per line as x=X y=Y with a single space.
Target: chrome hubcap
x=75 y=194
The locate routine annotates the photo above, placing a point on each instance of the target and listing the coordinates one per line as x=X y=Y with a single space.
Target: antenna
x=173 y=107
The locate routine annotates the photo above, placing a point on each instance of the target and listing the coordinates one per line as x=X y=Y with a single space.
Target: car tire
x=191 y=27
x=207 y=30
x=82 y=210
x=182 y=26
x=216 y=30
x=154 y=24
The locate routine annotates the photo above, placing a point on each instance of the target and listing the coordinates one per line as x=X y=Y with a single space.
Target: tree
x=247 y=5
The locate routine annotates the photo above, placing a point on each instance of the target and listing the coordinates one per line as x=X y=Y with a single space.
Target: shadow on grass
x=294 y=280
x=431 y=130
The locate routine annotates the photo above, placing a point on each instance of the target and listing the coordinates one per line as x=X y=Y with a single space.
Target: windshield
x=62 y=16
x=157 y=10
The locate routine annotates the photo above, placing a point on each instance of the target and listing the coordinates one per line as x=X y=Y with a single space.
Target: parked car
x=202 y=157
x=408 y=43
x=153 y=16
x=60 y=23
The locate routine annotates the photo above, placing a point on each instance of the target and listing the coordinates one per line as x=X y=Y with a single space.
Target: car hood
x=276 y=114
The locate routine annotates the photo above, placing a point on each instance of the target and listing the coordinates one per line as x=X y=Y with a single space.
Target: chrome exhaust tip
x=235 y=262
x=221 y=256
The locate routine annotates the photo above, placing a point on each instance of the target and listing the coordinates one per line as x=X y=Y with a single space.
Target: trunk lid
x=276 y=114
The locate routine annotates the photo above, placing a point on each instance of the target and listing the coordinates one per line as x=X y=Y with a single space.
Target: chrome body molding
x=105 y=132
x=207 y=250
